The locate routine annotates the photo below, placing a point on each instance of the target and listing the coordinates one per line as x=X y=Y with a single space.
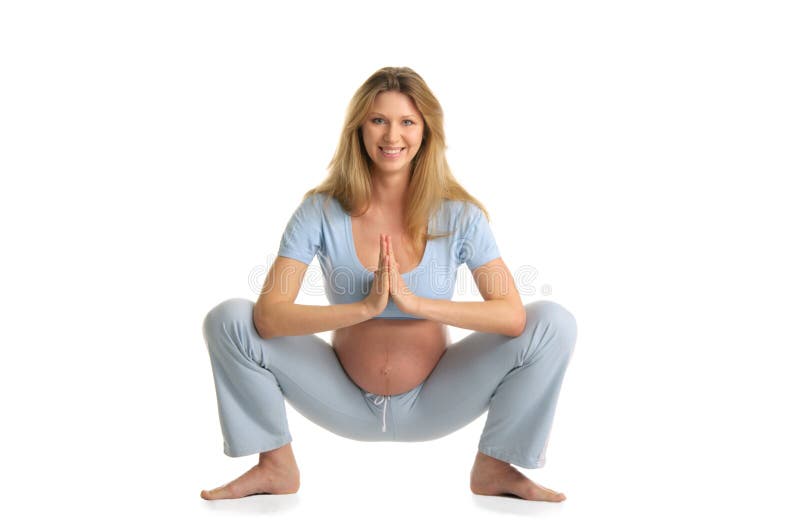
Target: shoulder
x=317 y=203
x=314 y=200
x=458 y=208
x=462 y=213
x=456 y=214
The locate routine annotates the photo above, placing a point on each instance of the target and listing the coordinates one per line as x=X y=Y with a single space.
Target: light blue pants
x=518 y=379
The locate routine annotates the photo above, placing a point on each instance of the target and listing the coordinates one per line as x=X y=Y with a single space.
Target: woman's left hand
x=406 y=300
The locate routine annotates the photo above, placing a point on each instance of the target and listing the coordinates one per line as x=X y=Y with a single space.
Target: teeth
x=391 y=151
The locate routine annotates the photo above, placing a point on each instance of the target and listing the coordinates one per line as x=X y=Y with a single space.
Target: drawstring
x=378 y=400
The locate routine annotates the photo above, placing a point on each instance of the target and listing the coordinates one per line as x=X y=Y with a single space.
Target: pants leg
x=518 y=379
x=252 y=375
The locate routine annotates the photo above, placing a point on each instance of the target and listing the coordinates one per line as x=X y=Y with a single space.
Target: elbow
x=521 y=319
x=262 y=323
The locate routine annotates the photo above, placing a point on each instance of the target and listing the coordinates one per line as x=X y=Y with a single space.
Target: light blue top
x=326 y=231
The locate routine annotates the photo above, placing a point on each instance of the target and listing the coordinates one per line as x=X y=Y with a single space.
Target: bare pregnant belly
x=389 y=357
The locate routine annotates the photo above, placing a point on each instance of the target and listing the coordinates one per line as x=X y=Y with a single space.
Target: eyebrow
x=404 y=116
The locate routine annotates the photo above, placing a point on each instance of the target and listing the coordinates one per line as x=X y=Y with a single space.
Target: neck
x=389 y=191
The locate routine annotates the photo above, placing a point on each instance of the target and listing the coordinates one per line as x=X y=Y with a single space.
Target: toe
x=210 y=495
x=221 y=492
x=540 y=493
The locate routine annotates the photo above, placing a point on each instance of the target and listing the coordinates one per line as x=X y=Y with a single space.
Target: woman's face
x=392 y=132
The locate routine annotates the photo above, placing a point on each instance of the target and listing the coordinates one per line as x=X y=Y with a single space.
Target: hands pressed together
x=388 y=281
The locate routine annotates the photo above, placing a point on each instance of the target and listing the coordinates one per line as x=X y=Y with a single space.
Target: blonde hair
x=431 y=180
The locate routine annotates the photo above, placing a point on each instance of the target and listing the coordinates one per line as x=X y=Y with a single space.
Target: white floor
x=618 y=473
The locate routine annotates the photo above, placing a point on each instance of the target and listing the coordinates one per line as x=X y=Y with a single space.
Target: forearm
x=291 y=319
x=499 y=317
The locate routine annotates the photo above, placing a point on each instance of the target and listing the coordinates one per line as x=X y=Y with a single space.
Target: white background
x=638 y=155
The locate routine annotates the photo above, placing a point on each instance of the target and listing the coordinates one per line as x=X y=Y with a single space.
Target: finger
x=386 y=262
x=385 y=256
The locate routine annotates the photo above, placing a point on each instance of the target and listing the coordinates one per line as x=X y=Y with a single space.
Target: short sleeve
x=478 y=245
x=302 y=236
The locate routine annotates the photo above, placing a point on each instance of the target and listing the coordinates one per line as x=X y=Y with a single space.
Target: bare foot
x=490 y=476
x=276 y=473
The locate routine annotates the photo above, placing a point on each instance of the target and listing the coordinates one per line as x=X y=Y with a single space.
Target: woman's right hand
x=378 y=296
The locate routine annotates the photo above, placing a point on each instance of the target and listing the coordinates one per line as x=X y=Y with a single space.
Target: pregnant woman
x=390 y=226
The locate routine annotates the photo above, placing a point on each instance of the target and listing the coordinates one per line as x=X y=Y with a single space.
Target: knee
x=226 y=314
x=551 y=315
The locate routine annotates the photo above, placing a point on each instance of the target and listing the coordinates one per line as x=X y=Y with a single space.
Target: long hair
x=431 y=181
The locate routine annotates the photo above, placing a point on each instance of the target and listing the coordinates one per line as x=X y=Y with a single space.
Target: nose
x=391 y=134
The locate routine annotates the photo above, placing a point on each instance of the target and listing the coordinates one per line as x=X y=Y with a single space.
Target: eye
x=409 y=121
